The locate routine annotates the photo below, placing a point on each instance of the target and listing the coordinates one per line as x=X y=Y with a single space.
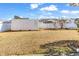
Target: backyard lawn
x=28 y=42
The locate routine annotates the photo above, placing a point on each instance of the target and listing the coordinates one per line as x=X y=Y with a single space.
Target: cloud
x=67 y=4
x=34 y=6
x=70 y=11
x=65 y=11
x=75 y=12
x=64 y=16
x=46 y=17
x=49 y=8
x=48 y=13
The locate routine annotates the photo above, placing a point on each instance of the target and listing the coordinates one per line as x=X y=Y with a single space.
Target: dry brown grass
x=27 y=42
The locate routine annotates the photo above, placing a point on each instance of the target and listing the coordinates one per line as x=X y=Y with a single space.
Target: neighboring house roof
x=17 y=17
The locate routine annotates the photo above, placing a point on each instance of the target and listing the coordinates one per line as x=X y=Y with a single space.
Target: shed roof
x=2 y=21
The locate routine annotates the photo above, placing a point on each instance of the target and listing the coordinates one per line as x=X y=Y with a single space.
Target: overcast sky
x=38 y=10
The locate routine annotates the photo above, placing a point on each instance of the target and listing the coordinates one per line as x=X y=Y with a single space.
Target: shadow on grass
x=59 y=48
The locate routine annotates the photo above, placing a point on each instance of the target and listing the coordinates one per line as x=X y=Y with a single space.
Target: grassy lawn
x=28 y=42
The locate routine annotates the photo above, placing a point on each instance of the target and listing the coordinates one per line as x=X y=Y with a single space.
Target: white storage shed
x=5 y=26
x=24 y=24
x=49 y=24
x=70 y=24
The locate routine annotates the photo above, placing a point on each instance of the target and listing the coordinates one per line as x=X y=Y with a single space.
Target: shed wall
x=49 y=25
x=70 y=25
x=24 y=25
x=5 y=27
